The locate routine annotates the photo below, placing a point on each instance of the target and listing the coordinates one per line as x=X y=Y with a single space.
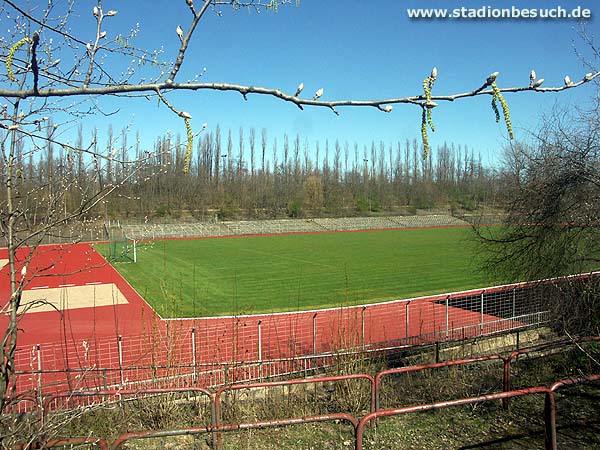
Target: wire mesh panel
x=216 y=350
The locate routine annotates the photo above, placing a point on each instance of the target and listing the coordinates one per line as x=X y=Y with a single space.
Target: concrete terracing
x=286 y=226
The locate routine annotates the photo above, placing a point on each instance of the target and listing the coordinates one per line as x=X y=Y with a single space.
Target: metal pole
x=40 y=396
x=550 y=421
x=514 y=307
x=506 y=380
x=406 y=321
x=260 y=340
x=134 y=252
x=481 y=324
x=260 y=365
x=120 y=346
x=193 y=353
x=362 y=325
x=39 y=364
x=315 y=334
x=447 y=302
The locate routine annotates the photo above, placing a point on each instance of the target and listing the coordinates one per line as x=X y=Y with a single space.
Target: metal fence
x=95 y=231
x=216 y=350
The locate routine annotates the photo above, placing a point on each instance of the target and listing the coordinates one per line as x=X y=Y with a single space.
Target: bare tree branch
x=185 y=40
x=245 y=90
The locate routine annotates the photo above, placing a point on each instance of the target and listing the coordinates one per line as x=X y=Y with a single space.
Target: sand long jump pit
x=71 y=297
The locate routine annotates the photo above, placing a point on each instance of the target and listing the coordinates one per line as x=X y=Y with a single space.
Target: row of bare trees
x=253 y=175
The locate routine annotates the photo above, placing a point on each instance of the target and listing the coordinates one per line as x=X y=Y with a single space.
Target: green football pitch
x=263 y=274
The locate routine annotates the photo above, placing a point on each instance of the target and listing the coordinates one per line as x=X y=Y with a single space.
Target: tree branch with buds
x=426 y=101
x=246 y=90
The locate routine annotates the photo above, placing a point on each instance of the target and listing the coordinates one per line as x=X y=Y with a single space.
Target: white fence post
x=315 y=334
x=514 y=305
x=406 y=320
x=39 y=368
x=362 y=325
x=447 y=307
x=194 y=354
x=120 y=347
x=481 y=322
x=260 y=354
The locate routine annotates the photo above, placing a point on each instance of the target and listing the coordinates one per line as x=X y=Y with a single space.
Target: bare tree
x=552 y=223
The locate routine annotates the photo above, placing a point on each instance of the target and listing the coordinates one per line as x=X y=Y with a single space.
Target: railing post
x=260 y=340
x=39 y=367
x=260 y=354
x=481 y=321
x=194 y=354
x=447 y=307
x=315 y=334
x=550 y=421
x=514 y=304
x=120 y=348
x=406 y=321
x=506 y=380
x=40 y=395
x=213 y=421
x=362 y=326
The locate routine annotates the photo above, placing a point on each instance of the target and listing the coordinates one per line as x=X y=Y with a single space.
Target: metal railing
x=215 y=427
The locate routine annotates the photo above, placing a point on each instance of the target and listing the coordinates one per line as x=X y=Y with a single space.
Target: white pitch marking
x=94 y=282
x=65 y=285
x=39 y=287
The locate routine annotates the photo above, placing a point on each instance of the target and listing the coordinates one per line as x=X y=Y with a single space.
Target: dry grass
x=484 y=425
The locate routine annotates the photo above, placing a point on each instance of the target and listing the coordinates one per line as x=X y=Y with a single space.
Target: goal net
x=122 y=250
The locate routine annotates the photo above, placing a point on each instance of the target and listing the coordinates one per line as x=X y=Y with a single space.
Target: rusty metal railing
x=358 y=426
x=235 y=427
x=216 y=426
x=550 y=441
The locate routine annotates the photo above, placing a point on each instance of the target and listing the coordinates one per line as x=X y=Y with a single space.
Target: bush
x=294 y=209
x=161 y=211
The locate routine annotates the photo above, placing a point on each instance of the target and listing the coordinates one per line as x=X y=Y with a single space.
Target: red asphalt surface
x=72 y=265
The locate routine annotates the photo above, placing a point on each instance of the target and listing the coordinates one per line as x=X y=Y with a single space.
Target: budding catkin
x=11 y=55
x=190 y=145
x=497 y=95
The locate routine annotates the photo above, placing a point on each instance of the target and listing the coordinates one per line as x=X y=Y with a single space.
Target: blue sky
x=359 y=50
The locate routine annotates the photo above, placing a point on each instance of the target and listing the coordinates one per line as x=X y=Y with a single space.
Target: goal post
x=123 y=250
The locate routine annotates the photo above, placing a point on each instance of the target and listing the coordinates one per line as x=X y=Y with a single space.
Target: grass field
x=210 y=277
